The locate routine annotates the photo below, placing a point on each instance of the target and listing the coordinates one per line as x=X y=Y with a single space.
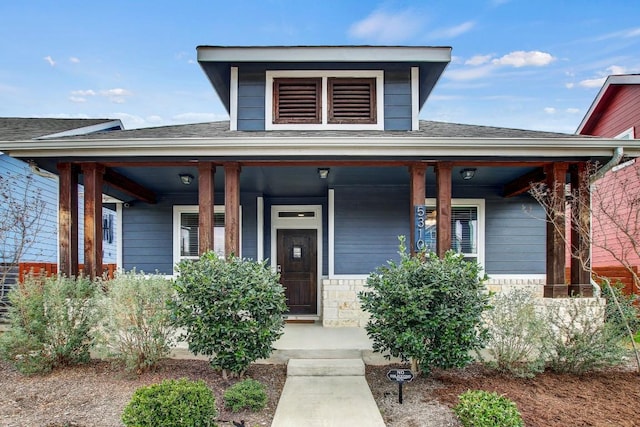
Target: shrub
x=478 y=408
x=172 y=403
x=231 y=309
x=580 y=341
x=517 y=333
x=246 y=394
x=50 y=322
x=630 y=313
x=426 y=309
x=136 y=325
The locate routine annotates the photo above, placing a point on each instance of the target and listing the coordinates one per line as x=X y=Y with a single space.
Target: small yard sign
x=400 y=376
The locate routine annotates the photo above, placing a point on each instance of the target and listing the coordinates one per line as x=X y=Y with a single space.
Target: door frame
x=299 y=223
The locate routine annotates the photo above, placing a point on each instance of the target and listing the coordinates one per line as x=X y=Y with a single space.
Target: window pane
x=189 y=234
x=464 y=230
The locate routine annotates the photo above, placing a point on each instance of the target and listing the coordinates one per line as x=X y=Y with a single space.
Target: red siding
x=621 y=113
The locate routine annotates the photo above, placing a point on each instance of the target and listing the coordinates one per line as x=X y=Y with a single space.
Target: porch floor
x=312 y=341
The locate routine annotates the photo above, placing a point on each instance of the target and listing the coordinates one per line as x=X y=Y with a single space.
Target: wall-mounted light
x=323 y=173
x=467 y=174
x=186 y=178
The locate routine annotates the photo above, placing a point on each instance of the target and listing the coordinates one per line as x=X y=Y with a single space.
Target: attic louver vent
x=297 y=100
x=352 y=100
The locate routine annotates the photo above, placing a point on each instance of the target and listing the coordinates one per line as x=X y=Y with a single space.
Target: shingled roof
x=21 y=128
x=428 y=129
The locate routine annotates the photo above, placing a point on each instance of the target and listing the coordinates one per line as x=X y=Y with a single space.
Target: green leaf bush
x=50 y=322
x=517 y=334
x=136 y=328
x=630 y=311
x=478 y=408
x=427 y=309
x=230 y=309
x=579 y=340
x=246 y=394
x=171 y=403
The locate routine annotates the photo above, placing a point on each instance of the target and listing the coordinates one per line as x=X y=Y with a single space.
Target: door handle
x=279 y=268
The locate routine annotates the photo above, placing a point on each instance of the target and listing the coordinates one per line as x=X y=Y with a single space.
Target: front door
x=298 y=266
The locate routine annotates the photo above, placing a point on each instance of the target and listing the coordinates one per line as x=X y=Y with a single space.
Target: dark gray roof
x=21 y=128
x=428 y=129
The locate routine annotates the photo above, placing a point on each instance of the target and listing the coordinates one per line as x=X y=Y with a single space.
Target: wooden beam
x=68 y=219
x=580 y=230
x=128 y=186
x=206 y=171
x=417 y=172
x=556 y=180
x=232 y=209
x=523 y=184
x=443 y=208
x=93 y=181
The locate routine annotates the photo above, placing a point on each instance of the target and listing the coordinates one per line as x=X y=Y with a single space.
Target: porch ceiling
x=304 y=181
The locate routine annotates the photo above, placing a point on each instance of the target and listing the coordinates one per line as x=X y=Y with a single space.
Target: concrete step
x=325 y=367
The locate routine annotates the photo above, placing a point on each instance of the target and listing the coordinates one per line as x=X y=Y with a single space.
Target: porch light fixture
x=323 y=173
x=186 y=178
x=467 y=174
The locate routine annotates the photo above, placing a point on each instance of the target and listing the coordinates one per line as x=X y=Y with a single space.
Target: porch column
x=68 y=219
x=580 y=231
x=417 y=173
x=555 y=180
x=206 y=172
x=443 y=208
x=93 y=178
x=232 y=209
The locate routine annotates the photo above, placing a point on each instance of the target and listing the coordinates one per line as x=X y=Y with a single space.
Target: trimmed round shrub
x=172 y=403
x=246 y=394
x=478 y=408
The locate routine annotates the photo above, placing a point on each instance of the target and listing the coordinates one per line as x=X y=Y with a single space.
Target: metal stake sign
x=400 y=376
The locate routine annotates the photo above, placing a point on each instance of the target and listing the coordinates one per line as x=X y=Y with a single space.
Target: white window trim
x=324 y=74
x=463 y=203
x=627 y=134
x=304 y=223
x=233 y=99
x=180 y=209
x=415 y=98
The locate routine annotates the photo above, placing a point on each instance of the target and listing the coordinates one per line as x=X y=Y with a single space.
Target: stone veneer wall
x=341 y=307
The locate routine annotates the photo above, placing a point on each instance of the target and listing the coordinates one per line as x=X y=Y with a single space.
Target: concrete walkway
x=326 y=392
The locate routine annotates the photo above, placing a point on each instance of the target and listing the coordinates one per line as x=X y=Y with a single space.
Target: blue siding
x=368 y=221
x=251 y=91
x=515 y=238
x=397 y=100
x=44 y=247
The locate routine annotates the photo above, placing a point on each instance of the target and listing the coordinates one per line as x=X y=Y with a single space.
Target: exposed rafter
x=128 y=186
x=523 y=184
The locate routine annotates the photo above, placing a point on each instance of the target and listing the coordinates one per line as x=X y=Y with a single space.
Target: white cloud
x=451 y=32
x=469 y=73
x=478 y=60
x=569 y=85
x=573 y=110
x=74 y=60
x=116 y=95
x=550 y=110
x=198 y=117
x=622 y=34
x=387 y=27
x=590 y=83
x=77 y=99
x=616 y=69
x=88 y=92
x=50 y=60
x=521 y=58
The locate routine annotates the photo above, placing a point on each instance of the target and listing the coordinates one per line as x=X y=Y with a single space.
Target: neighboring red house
x=615 y=113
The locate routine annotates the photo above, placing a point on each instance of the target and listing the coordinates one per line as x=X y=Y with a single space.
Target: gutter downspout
x=618 y=153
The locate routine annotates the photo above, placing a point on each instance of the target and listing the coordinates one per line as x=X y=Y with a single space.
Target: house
x=323 y=164
x=615 y=113
x=26 y=177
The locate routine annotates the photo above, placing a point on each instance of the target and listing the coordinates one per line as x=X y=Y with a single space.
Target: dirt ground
x=95 y=394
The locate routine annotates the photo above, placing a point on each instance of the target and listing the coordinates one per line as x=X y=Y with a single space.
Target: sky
x=527 y=64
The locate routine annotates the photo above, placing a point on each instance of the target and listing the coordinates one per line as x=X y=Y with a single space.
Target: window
x=467 y=228
x=307 y=99
x=186 y=239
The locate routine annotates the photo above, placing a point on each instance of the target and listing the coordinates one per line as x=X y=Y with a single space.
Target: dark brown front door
x=298 y=266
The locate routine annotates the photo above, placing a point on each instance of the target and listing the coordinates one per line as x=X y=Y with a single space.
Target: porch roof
x=434 y=140
x=27 y=128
